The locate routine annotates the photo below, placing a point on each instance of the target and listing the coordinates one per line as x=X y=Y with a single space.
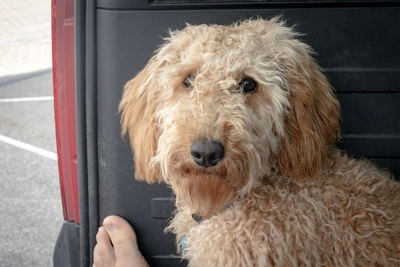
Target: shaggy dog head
x=218 y=108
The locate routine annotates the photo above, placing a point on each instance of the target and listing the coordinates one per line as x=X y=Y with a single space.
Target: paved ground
x=25 y=36
x=30 y=204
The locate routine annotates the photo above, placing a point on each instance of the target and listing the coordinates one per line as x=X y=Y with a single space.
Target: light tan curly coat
x=282 y=195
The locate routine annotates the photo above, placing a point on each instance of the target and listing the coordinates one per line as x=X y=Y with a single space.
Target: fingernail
x=109 y=227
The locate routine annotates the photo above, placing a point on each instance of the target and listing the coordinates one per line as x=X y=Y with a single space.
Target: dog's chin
x=206 y=191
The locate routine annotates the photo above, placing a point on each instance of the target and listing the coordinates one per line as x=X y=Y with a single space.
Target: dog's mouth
x=206 y=191
x=188 y=169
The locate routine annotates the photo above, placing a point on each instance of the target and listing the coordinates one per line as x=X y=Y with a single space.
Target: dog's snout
x=207 y=153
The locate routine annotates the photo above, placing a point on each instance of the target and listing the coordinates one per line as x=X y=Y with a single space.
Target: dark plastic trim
x=162 y=207
x=364 y=80
x=92 y=84
x=85 y=34
x=80 y=81
x=91 y=124
x=232 y=4
x=66 y=252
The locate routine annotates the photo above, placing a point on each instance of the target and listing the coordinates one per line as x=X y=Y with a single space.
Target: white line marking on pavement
x=28 y=147
x=26 y=99
x=23 y=37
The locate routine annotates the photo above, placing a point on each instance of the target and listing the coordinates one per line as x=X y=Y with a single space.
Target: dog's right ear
x=138 y=107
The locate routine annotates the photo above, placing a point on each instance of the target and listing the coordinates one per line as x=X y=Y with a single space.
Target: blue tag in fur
x=183 y=244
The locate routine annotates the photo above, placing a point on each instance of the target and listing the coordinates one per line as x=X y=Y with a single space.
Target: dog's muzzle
x=207 y=153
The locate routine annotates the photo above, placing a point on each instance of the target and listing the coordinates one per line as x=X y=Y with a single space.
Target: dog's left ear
x=138 y=107
x=312 y=124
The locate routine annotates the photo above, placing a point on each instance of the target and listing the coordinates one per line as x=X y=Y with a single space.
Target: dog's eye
x=188 y=81
x=248 y=85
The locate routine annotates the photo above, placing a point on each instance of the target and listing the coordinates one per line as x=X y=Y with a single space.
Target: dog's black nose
x=207 y=153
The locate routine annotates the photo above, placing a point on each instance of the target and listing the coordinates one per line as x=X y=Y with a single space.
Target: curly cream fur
x=282 y=195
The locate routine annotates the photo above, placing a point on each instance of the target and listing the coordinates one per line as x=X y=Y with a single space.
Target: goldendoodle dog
x=241 y=123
